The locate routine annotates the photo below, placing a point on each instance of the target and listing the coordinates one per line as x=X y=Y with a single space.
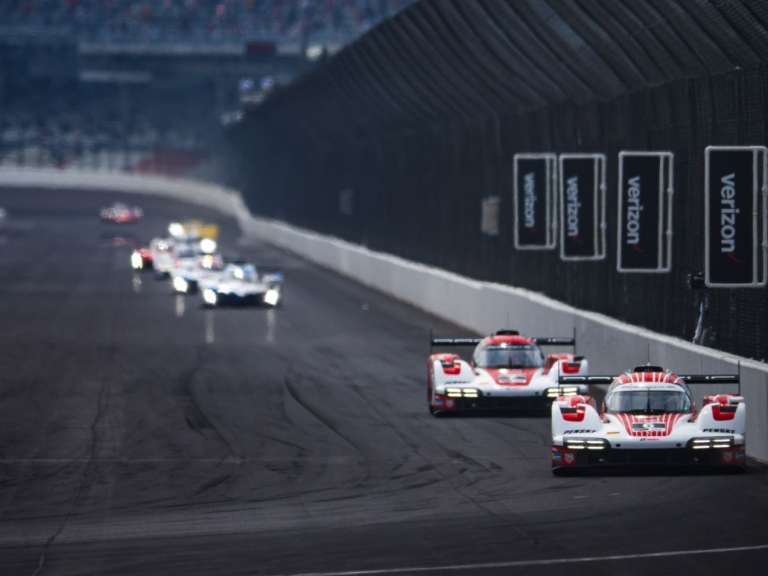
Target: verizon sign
x=735 y=233
x=582 y=206
x=534 y=201
x=645 y=211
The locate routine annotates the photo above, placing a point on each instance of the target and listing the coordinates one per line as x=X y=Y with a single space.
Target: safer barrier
x=611 y=346
x=202 y=193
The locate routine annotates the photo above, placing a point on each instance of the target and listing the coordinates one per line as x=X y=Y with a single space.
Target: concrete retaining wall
x=200 y=193
x=483 y=307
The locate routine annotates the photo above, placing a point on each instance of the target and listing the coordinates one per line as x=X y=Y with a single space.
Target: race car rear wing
x=474 y=341
x=455 y=341
x=585 y=380
x=710 y=378
x=555 y=341
x=687 y=378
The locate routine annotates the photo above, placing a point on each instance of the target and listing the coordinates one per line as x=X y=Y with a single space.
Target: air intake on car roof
x=648 y=368
x=507 y=333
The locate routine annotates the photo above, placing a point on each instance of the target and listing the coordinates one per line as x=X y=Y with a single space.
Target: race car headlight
x=462 y=392
x=176 y=229
x=714 y=442
x=210 y=297
x=180 y=285
x=207 y=262
x=272 y=297
x=562 y=391
x=586 y=444
x=208 y=246
x=137 y=262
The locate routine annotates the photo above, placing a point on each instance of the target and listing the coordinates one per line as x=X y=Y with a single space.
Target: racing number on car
x=648 y=426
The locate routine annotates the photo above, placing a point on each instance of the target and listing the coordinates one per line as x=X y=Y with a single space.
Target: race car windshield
x=186 y=253
x=648 y=402
x=509 y=357
x=244 y=274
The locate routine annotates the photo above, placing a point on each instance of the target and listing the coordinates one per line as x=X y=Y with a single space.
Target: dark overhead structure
x=399 y=141
x=465 y=60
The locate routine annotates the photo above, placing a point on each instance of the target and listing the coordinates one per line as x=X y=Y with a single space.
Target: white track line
x=528 y=563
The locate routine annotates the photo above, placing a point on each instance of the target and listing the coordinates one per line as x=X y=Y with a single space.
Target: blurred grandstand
x=328 y=22
x=144 y=85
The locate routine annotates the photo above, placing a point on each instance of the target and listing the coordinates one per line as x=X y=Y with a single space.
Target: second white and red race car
x=648 y=417
x=507 y=371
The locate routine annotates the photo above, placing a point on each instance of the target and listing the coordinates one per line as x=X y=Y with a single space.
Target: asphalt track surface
x=141 y=434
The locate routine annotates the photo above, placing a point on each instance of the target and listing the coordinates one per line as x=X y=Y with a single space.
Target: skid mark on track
x=428 y=466
x=212 y=483
x=195 y=416
x=297 y=397
x=539 y=437
x=293 y=392
x=84 y=482
x=21 y=474
x=460 y=489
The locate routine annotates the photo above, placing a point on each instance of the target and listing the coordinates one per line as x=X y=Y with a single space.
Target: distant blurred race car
x=185 y=241
x=119 y=213
x=181 y=257
x=242 y=284
x=648 y=417
x=190 y=273
x=194 y=230
x=506 y=371
x=156 y=256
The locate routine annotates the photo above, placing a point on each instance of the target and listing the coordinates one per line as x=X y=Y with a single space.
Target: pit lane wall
x=482 y=307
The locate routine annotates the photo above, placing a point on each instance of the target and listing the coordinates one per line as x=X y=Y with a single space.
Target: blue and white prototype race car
x=190 y=273
x=242 y=285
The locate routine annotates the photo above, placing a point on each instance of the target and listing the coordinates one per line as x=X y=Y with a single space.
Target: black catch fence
x=405 y=142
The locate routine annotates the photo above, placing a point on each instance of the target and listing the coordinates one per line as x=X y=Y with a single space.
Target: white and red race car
x=506 y=371
x=649 y=417
x=120 y=213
